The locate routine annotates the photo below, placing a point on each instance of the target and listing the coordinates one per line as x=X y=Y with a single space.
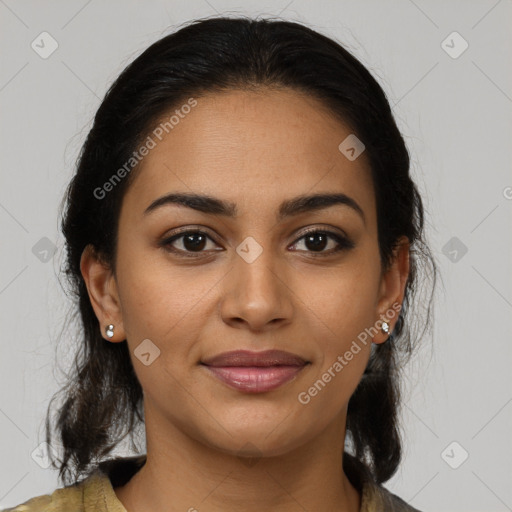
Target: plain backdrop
x=446 y=68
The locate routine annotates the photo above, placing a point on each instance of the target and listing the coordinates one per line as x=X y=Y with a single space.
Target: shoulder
x=72 y=498
x=376 y=498
x=95 y=493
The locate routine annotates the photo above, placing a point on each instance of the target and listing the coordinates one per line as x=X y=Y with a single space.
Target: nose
x=256 y=295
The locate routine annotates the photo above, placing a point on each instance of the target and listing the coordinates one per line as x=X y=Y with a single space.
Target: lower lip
x=254 y=379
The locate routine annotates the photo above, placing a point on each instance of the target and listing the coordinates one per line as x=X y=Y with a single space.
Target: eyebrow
x=288 y=208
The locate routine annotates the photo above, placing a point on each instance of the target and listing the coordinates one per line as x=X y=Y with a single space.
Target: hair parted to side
x=102 y=400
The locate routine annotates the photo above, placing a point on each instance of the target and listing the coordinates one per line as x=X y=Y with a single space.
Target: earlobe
x=102 y=290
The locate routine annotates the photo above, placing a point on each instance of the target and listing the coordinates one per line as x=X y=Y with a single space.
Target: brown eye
x=317 y=240
x=192 y=241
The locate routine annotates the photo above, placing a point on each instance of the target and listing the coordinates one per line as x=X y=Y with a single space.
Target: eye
x=191 y=241
x=316 y=240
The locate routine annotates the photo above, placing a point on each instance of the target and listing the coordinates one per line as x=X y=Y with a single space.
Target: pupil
x=190 y=244
x=196 y=241
x=317 y=246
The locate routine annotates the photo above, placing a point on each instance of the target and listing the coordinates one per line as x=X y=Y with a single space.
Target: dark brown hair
x=102 y=398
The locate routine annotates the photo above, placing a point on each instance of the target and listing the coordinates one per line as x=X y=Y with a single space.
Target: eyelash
x=343 y=243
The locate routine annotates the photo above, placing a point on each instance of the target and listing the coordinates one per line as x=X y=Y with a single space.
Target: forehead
x=254 y=148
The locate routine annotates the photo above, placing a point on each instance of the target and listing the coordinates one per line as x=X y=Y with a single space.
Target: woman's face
x=255 y=280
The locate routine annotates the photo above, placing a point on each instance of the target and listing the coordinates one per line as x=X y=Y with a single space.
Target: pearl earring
x=109 y=330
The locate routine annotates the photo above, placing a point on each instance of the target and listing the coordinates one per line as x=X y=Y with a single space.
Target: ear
x=392 y=289
x=102 y=289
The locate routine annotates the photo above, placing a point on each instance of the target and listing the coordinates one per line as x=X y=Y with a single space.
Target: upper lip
x=248 y=358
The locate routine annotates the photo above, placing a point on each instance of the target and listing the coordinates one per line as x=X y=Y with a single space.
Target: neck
x=182 y=473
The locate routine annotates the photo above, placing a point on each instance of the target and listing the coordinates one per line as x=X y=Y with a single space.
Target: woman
x=244 y=240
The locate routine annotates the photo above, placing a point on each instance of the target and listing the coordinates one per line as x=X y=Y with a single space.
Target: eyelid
x=343 y=241
x=198 y=228
x=323 y=228
x=317 y=227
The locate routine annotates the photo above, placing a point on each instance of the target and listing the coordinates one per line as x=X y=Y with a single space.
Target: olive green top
x=96 y=492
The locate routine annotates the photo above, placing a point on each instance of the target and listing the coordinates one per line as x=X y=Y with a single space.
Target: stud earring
x=109 y=330
x=385 y=327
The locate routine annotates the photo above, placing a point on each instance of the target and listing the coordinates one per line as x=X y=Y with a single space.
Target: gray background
x=456 y=116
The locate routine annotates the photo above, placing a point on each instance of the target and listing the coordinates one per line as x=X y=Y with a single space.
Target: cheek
x=341 y=306
x=157 y=296
x=344 y=300
x=164 y=304
x=339 y=313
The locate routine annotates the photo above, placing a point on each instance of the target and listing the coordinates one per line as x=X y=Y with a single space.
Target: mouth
x=255 y=372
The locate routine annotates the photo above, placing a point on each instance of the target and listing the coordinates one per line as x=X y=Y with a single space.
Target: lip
x=248 y=358
x=255 y=372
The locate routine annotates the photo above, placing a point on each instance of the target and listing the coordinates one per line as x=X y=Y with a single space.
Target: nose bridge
x=257 y=268
x=257 y=293
x=256 y=263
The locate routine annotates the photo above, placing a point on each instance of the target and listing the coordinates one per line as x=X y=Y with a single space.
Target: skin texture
x=255 y=149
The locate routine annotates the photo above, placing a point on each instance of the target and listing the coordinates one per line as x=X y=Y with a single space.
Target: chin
x=269 y=440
